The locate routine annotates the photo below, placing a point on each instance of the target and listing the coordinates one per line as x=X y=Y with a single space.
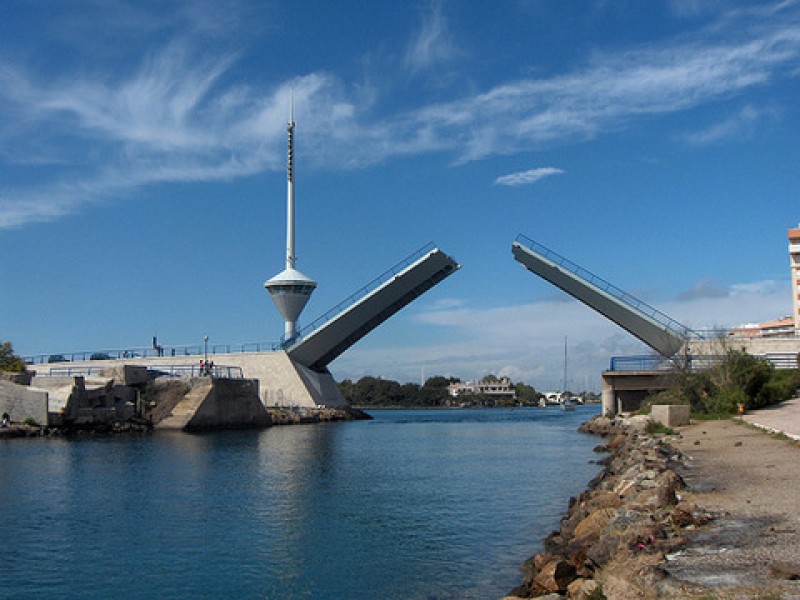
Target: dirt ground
x=750 y=479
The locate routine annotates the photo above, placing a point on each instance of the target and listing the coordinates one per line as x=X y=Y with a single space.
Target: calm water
x=415 y=504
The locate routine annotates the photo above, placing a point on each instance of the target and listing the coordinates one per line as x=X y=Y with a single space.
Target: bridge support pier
x=625 y=391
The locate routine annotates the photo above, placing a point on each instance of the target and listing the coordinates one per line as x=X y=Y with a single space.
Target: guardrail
x=184 y=371
x=653 y=313
x=694 y=362
x=167 y=351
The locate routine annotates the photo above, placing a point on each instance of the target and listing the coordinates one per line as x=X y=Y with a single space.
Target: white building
x=493 y=387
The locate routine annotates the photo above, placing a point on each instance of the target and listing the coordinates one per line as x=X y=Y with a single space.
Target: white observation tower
x=290 y=289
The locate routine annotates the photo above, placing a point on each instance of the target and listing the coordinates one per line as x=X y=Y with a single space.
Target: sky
x=143 y=175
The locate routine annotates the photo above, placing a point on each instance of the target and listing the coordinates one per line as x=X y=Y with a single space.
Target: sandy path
x=752 y=479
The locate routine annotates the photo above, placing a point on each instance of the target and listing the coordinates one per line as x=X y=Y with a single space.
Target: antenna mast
x=290 y=187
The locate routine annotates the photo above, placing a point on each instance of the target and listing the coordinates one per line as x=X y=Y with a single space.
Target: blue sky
x=142 y=170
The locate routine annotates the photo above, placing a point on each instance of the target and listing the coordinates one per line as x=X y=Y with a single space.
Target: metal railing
x=184 y=371
x=640 y=305
x=693 y=362
x=215 y=371
x=143 y=352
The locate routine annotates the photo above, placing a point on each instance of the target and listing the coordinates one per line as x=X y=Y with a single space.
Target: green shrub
x=741 y=379
x=658 y=428
x=31 y=422
x=728 y=399
x=782 y=385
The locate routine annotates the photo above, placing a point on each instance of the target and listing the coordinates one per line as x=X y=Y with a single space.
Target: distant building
x=794 y=263
x=780 y=328
x=485 y=387
x=554 y=398
x=789 y=325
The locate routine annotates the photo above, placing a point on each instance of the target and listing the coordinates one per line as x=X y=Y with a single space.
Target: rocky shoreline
x=614 y=539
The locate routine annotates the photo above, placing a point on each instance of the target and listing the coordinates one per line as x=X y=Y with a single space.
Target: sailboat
x=568 y=403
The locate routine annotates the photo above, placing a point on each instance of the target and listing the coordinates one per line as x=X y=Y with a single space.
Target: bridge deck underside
x=634 y=322
x=323 y=345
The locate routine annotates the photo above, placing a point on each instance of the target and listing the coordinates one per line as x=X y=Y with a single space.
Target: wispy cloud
x=433 y=44
x=707 y=288
x=170 y=122
x=740 y=126
x=179 y=117
x=527 y=177
x=695 y=8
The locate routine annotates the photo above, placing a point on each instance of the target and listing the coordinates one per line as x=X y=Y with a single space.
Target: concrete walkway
x=783 y=418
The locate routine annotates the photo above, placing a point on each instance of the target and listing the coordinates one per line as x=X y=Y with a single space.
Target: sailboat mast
x=564 y=388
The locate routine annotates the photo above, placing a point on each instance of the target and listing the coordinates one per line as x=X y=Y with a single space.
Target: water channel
x=414 y=504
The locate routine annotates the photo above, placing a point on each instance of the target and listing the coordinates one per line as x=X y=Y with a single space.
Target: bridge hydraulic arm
x=319 y=348
x=657 y=333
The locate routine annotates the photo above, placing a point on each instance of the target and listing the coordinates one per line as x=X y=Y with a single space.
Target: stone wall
x=231 y=403
x=21 y=403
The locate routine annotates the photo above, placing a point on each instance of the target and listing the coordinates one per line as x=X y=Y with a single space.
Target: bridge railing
x=143 y=352
x=184 y=371
x=361 y=292
x=640 y=305
x=694 y=362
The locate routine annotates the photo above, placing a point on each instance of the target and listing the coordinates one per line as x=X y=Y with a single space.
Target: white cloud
x=433 y=44
x=527 y=177
x=741 y=125
x=706 y=288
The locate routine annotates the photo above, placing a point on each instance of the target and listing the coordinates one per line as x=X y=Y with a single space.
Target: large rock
x=555 y=576
x=618 y=588
x=594 y=524
x=582 y=588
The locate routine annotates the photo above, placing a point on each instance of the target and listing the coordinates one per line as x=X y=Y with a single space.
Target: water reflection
x=427 y=504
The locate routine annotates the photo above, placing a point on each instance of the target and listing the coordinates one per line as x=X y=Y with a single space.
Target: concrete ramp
x=662 y=333
x=323 y=344
x=185 y=409
x=218 y=404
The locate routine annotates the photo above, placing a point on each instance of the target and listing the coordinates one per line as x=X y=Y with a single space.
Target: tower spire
x=290 y=258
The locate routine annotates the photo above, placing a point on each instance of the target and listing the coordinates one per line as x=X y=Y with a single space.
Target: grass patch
x=712 y=416
x=658 y=428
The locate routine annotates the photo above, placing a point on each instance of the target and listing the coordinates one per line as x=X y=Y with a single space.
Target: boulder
x=594 y=524
x=617 y=588
x=582 y=588
x=555 y=576
x=637 y=423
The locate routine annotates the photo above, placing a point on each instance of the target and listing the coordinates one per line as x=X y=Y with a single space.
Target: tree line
x=376 y=391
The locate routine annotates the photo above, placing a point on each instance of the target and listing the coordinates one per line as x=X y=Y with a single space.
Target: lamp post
x=205 y=349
